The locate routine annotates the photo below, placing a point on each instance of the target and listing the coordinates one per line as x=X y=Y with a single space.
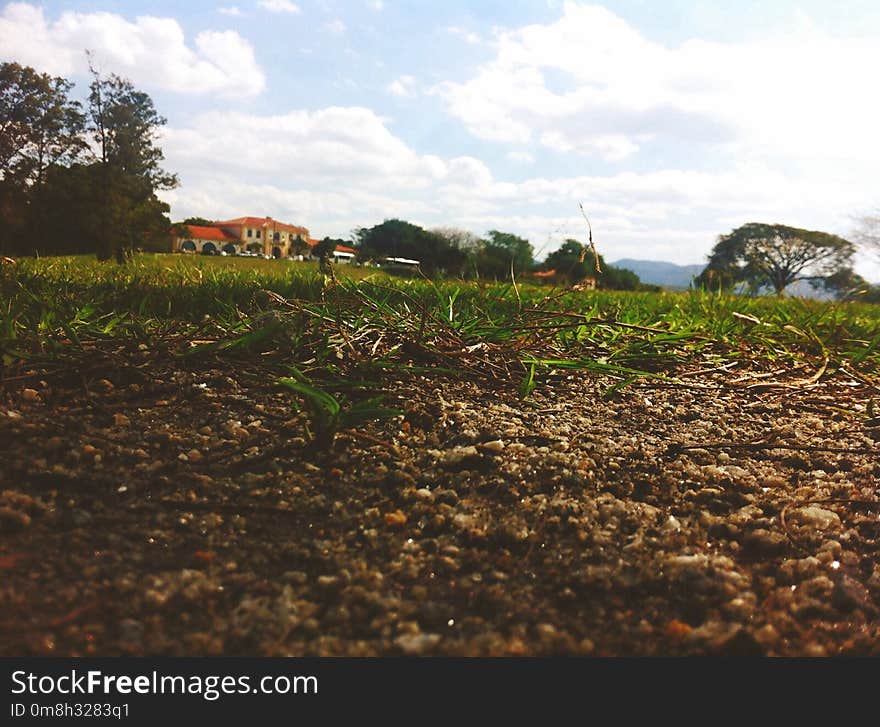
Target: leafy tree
x=198 y=222
x=571 y=262
x=124 y=124
x=846 y=284
x=326 y=247
x=40 y=128
x=459 y=238
x=467 y=243
x=867 y=233
x=71 y=201
x=761 y=256
x=575 y=262
x=503 y=250
x=299 y=246
x=397 y=238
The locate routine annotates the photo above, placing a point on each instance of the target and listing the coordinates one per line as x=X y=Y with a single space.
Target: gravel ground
x=182 y=512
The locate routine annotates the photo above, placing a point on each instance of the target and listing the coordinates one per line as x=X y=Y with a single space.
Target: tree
x=299 y=246
x=867 y=233
x=398 y=238
x=326 y=247
x=72 y=203
x=465 y=242
x=575 y=262
x=124 y=124
x=570 y=262
x=507 y=250
x=40 y=129
x=846 y=284
x=459 y=238
x=198 y=221
x=761 y=256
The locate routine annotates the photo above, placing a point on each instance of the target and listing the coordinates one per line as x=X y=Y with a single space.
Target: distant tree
x=469 y=244
x=198 y=222
x=124 y=125
x=867 y=232
x=459 y=238
x=761 y=256
x=398 y=238
x=570 y=262
x=298 y=246
x=574 y=262
x=502 y=251
x=846 y=284
x=326 y=247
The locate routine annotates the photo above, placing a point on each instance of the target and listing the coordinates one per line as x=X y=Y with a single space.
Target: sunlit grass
x=286 y=312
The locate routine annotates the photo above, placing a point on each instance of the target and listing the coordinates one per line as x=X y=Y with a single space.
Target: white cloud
x=403 y=86
x=233 y=11
x=375 y=5
x=150 y=51
x=328 y=144
x=337 y=27
x=590 y=83
x=280 y=6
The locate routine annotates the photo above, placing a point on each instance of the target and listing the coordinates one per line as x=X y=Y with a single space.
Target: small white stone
x=816 y=517
x=494 y=446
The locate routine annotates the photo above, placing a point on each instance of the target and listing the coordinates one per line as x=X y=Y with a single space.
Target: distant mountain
x=658 y=272
x=679 y=277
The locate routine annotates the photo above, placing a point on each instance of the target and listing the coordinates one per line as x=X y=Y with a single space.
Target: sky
x=670 y=121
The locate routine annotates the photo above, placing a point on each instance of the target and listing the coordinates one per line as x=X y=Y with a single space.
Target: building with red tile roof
x=263 y=235
x=200 y=238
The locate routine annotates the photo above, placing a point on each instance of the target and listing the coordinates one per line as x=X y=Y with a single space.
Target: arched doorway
x=229 y=248
x=209 y=248
x=188 y=246
x=276 y=252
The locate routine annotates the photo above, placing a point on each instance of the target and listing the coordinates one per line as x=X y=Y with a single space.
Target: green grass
x=288 y=321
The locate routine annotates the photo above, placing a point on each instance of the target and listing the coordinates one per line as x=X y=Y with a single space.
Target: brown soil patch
x=166 y=511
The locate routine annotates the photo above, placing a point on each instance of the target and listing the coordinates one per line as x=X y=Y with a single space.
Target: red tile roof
x=210 y=233
x=339 y=248
x=543 y=274
x=262 y=223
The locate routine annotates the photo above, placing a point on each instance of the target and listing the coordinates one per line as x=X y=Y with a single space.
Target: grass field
x=289 y=320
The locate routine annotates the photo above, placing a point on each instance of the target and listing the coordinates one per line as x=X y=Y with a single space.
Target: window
x=250 y=233
x=258 y=234
x=276 y=236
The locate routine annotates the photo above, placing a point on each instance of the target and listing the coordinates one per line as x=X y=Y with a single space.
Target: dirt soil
x=158 y=511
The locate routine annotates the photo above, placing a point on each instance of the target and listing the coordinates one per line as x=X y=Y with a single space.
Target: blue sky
x=670 y=121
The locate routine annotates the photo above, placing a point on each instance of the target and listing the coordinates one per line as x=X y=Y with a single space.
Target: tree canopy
x=397 y=238
x=867 y=233
x=124 y=123
x=758 y=256
x=502 y=252
x=574 y=262
x=74 y=180
x=41 y=128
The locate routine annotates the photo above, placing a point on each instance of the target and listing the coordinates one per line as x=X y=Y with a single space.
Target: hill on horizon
x=659 y=272
x=679 y=277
